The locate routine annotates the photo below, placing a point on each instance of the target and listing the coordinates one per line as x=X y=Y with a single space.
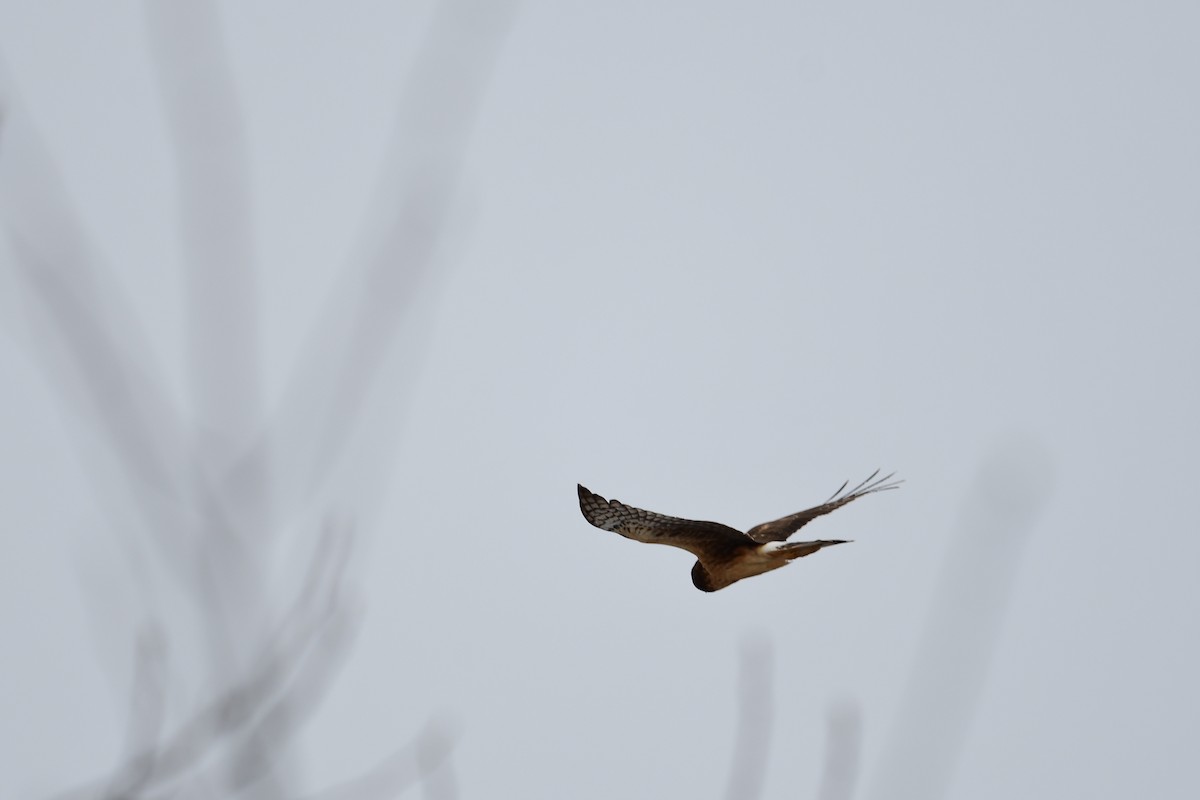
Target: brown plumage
x=725 y=555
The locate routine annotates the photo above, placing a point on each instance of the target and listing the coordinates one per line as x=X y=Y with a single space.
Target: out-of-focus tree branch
x=752 y=743
x=186 y=42
x=312 y=634
x=964 y=621
x=82 y=327
x=217 y=232
x=357 y=328
x=205 y=123
x=200 y=485
x=424 y=760
x=146 y=711
x=843 y=736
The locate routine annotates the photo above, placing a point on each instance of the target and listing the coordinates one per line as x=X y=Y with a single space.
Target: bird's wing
x=781 y=529
x=705 y=540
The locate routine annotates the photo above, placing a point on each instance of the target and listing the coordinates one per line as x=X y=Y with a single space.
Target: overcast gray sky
x=709 y=258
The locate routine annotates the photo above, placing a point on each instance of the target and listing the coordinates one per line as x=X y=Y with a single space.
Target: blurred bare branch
x=751 y=749
x=843 y=735
x=437 y=770
x=357 y=328
x=964 y=622
x=85 y=335
x=205 y=122
x=312 y=636
x=202 y=490
x=210 y=152
x=82 y=326
x=286 y=716
x=147 y=695
x=186 y=42
x=425 y=760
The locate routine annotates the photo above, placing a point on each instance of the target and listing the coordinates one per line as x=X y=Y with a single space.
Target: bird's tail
x=791 y=550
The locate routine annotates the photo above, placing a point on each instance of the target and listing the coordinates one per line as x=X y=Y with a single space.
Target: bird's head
x=701 y=579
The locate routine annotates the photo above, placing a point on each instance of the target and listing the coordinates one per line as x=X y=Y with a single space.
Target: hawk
x=724 y=555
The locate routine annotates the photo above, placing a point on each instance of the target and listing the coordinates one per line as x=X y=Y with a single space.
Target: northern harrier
x=724 y=555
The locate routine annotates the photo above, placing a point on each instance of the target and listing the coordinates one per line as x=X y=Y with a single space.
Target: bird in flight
x=724 y=555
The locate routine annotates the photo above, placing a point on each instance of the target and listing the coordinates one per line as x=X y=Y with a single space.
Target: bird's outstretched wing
x=704 y=540
x=781 y=529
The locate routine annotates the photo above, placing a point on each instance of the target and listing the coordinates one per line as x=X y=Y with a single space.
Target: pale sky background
x=711 y=259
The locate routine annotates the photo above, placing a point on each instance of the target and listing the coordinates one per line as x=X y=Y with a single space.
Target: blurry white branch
x=313 y=631
x=356 y=329
x=200 y=479
x=752 y=740
x=425 y=760
x=84 y=333
x=289 y=680
x=843 y=736
x=963 y=625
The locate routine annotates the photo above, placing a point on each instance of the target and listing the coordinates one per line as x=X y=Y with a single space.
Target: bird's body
x=723 y=555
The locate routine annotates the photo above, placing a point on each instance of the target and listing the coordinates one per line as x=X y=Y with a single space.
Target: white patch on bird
x=756 y=562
